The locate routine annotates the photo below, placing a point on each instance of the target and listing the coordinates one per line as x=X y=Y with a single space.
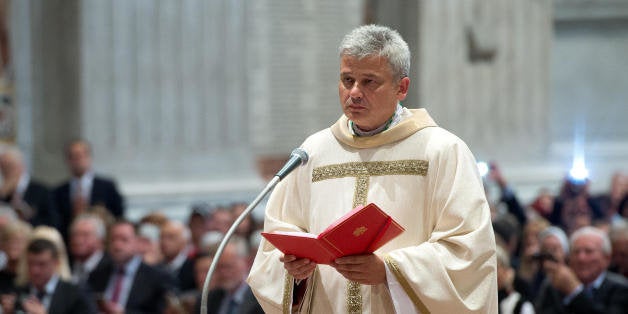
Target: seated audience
x=232 y=294
x=175 y=247
x=31 y=200
x=510 y=301
x=198 y=223
x=87 y=244
x=13 y=241
x=584 y=285
x=44 y=290
x=129 y=285
x=148 y=244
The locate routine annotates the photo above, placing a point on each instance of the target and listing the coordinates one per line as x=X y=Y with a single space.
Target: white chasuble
x=427 y=180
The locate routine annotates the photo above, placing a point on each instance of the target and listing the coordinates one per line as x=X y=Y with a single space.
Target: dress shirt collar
x=92 y=261
x=598 y=281
x=86 y=181
x=49 y=289
x=178 y=261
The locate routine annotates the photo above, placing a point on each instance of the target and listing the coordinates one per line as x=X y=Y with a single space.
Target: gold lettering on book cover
x=362 y=171
x=359 y=231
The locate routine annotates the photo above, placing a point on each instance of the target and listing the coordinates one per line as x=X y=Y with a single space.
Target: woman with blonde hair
x=53 y=235
x=14 y=238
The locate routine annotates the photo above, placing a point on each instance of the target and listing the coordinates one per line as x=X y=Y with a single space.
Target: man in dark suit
x=128 y=285
x=87 y=243
x=46 y=292
x=175 y=246
x=31 y=200
x=85 y=188
x=233 y=294
x=585 y=286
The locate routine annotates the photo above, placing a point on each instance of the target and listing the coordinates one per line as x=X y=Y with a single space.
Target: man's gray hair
x=559 y=234
x=588 y=230
x=369 y=40
x=95 y=221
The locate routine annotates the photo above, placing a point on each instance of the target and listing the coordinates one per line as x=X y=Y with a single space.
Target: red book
x=362 y=230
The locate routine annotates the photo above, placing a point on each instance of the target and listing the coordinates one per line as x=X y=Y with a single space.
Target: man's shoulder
x=616 y=280
x=437 y=140
x=62 y=187
x=322 y=137
x=103 y=180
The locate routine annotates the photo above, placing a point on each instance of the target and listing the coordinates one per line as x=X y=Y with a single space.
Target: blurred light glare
x=579 y=171
x=483 y=168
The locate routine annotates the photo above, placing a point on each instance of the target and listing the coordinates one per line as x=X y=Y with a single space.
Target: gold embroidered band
x=392 y=265
x=287 y=293
x=370 y=169
x=362 y=171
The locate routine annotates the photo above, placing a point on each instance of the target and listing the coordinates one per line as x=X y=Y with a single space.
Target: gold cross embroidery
x=362 y=171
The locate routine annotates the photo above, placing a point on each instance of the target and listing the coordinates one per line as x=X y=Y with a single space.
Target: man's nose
x=355 y=91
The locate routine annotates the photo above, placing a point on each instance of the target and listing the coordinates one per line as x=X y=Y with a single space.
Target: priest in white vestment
x=423 y=176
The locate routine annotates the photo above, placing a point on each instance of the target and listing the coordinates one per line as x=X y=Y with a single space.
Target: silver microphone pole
x=297 y=157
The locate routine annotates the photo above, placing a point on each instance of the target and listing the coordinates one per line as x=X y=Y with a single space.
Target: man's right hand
x=299 y=268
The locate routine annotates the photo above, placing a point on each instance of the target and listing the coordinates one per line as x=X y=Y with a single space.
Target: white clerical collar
x=397 y=117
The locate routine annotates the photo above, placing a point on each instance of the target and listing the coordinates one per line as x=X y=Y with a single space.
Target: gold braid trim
x=362 y=171
x=288 y=284
x=370 y=168
x=392 y=264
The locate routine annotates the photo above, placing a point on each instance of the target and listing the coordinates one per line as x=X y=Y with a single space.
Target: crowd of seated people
x=562 y=253
x=69 y=249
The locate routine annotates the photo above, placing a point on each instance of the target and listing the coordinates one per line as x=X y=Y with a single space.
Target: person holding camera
x=583 y=285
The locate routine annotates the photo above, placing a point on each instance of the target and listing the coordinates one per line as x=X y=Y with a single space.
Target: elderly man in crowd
x=584 y=285
x=87 y=243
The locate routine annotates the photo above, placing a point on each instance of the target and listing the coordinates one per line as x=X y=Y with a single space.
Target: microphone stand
x=228 y=235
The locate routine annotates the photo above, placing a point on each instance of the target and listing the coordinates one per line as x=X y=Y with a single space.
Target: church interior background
x=187 y=101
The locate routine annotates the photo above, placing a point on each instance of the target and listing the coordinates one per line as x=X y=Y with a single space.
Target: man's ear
x=403 y=86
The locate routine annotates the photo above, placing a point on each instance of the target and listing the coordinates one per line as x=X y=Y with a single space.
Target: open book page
x=301 y=244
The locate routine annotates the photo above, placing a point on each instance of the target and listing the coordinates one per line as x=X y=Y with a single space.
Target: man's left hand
x=366 y=269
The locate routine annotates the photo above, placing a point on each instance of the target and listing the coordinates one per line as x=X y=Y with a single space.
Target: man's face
x=83 y=240
x=368 y=92
x=171 y=240
x=10 y=166
x=552 y=245
x=231 y=269
x=41 y=267
x=79 y=159
x=221 y=221
x=122 y=243
x=586 y=258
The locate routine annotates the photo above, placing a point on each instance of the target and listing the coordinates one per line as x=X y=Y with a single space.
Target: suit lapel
x=58 y=299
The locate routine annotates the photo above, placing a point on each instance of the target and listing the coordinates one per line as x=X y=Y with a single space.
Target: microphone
x=298 y=157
